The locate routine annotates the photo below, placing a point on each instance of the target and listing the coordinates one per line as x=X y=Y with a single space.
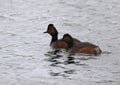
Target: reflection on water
x=63 y=64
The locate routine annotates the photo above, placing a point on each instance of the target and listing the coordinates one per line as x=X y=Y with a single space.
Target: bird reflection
x=59 y=61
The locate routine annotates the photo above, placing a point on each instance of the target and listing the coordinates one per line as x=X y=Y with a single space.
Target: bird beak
x=45 y=32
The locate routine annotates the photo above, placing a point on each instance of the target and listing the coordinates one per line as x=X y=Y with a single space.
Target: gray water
x=25 y=57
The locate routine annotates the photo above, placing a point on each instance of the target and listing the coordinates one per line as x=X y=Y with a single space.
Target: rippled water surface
x=25 y=54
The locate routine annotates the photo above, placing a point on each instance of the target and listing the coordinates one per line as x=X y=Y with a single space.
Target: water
x=25 y=55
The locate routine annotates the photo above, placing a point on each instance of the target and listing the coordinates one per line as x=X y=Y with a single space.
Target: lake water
x=25 y=57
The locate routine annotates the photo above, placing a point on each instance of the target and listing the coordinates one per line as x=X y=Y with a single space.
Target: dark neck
x=70 y=43
x=54 y=38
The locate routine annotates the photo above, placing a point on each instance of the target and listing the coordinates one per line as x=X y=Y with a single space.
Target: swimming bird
x=55 y=42
x=83 y=47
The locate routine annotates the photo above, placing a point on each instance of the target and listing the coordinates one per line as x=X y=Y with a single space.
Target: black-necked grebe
x=83 y=47
x=55 y=43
